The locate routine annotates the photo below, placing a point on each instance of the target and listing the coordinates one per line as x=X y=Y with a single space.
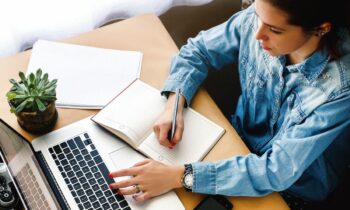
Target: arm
x=281 y=165
x=210 y=49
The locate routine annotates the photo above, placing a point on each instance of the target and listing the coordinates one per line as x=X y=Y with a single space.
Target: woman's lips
x=265 y=48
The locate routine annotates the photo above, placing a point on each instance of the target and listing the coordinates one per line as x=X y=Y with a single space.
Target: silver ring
x=138 y=188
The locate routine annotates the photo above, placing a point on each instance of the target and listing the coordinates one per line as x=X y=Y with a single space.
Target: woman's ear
x=323 y=29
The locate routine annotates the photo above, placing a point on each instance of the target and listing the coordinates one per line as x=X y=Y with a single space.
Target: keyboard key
x=67 y=168
x=99 y=193
x=104 y=171
x=94 y=153
x=80 y=192
x=64 y=162
x=86 y=135
x=72 y=162
x=88 y=175
x=91 y=163
x=98 y=159
x=94 y=169
x=79 y=157
x=123 y=204
x=95 y=187
x=96 y=205
x=102 y=200
x=77 y=186
x=87 y=157
x=82 y=163
x=98 y=175
x=87 y=205
x=111 y=199
x=70 y=174
x=84 y=152
x=79 y=143
x=115 y=206
x=92 y=181
x=84 y=198
x=66 y=150
x=72 y=144
x=50 y=150
x=63 y=145
x=57 y=149
x=85 y=169
x=80 y=207
x=76 y=152
x=70 y=156
x=60 y=156
x=79 y=174
x=104 y=187
x=87 y=186
x=108 y=193
x=106 y=206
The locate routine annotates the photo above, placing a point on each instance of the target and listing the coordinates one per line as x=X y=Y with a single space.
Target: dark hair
x=309 y=14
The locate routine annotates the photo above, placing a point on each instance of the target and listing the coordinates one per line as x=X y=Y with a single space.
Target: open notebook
x=133 y=112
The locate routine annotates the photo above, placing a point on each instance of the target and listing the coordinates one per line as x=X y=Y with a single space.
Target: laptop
x=68 y=169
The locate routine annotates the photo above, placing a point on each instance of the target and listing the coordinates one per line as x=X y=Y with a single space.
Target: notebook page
x=200 y=135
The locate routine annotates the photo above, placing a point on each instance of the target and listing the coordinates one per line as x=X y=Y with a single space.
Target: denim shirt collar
x=312 y=66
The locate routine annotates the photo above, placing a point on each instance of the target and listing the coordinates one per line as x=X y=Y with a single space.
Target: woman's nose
x=260 y=33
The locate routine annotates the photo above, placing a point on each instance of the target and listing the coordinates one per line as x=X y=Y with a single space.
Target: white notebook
x=88 y=77
x=132 y=114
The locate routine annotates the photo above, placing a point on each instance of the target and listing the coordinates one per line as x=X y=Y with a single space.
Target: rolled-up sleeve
x=283 y=163
x=213 y=48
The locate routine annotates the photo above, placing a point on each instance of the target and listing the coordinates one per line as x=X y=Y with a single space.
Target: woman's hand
x=163 y=125
x=149 y=178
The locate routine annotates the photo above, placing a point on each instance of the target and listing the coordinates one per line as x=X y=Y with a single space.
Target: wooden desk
x=148 y=35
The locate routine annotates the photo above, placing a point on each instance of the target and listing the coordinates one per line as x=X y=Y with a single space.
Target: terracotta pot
x=38 y=122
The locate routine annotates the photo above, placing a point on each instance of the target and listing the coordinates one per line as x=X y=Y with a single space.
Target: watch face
x=189 y=180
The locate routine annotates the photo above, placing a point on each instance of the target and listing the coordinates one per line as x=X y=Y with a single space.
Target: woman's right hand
x=163 y=125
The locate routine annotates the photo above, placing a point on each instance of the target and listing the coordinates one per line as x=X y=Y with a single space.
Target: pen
x=173 y=123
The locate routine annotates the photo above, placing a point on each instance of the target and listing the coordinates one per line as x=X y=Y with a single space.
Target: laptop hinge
x=52 y=181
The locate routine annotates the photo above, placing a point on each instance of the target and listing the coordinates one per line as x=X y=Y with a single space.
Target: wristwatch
x=187 y=178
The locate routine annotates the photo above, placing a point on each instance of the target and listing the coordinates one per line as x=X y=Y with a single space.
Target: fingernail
x=170 y=147
x=173 y=144
x=110 y=186
x=110 y=176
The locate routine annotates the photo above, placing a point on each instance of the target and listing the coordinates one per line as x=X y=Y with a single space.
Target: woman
x=294 y=67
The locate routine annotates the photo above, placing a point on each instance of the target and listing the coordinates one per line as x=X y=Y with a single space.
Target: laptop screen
x=25 y=169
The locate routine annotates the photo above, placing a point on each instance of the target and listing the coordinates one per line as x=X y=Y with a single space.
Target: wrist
x=179 y=172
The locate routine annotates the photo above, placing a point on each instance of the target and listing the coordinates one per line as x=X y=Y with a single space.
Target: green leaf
x=21 y=106
x=38 y=76
x=40 y=104
x=23 y=78
x=10 y=95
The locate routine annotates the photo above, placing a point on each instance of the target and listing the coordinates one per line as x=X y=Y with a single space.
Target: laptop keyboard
x=31 y=189
x=86 y=175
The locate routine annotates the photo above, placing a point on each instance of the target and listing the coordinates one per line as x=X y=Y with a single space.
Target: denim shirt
x=292 y=117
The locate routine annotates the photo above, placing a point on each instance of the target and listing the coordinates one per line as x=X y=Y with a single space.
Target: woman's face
x=278 y=37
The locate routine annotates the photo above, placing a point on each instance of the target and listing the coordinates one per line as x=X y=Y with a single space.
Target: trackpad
x=125 y=157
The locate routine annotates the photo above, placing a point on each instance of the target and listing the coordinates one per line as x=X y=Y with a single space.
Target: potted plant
x=32 y=99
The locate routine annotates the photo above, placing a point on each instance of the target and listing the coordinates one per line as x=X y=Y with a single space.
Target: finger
x=123 y=184
x=143 y=162
x=178 y=134
x=128 y=191
x=123 y=172
x=156 y=131
x=163 y=137
x=141 y=197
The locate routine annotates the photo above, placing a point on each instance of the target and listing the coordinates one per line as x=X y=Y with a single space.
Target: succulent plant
x=32 y=93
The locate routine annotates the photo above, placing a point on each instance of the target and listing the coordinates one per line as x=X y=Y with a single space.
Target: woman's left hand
x=148 y=178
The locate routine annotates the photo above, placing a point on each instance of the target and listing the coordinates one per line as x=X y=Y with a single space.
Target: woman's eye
x=273 y=30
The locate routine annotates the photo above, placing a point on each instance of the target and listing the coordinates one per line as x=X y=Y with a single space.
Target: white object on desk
x=88 y=77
